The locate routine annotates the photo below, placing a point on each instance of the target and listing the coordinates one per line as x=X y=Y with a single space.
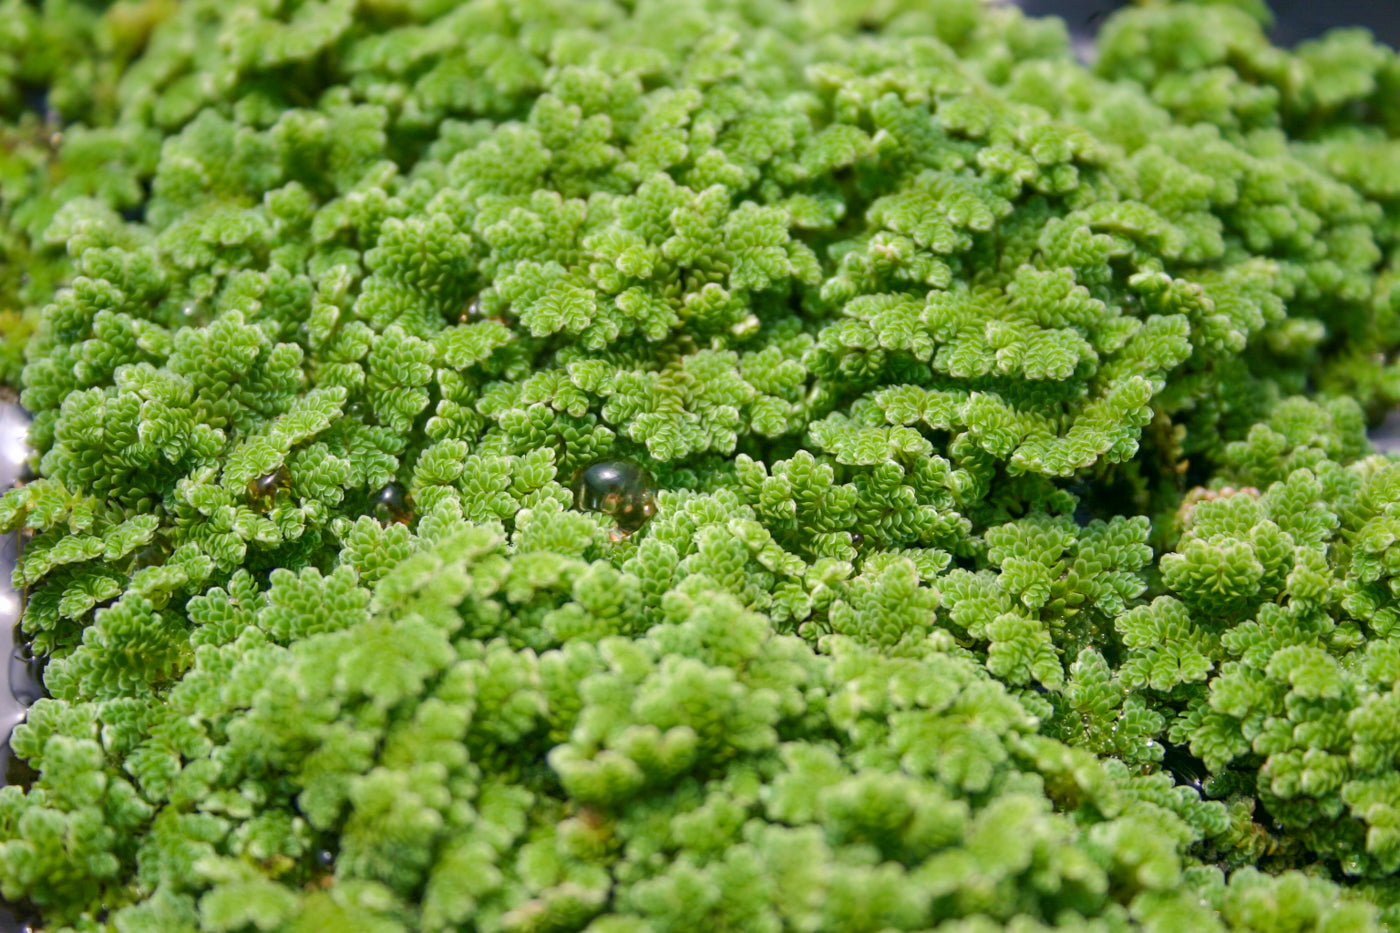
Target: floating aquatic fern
x=648 y=466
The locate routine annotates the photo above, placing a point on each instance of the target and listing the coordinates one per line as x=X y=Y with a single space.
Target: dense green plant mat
x=1019 y=558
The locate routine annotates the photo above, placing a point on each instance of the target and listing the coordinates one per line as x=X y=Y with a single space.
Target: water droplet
x=472 y=312
x=857 y=539
x=617 y=488
x=325 y=858
x=393 y=504
x=361 y=412
x=192 y=314
x=264 y=490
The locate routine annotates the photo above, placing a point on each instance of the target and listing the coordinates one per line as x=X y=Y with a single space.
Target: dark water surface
x=19 y=674
x=1294 y=20
x=21 y=687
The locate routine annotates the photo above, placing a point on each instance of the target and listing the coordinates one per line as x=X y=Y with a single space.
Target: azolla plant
x=827 y=465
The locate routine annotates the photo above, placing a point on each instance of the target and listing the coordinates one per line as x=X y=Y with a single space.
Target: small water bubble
x=192 y=314
x=618 y=488
x=393 y=504
x=264 y=490
x=472 y=312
